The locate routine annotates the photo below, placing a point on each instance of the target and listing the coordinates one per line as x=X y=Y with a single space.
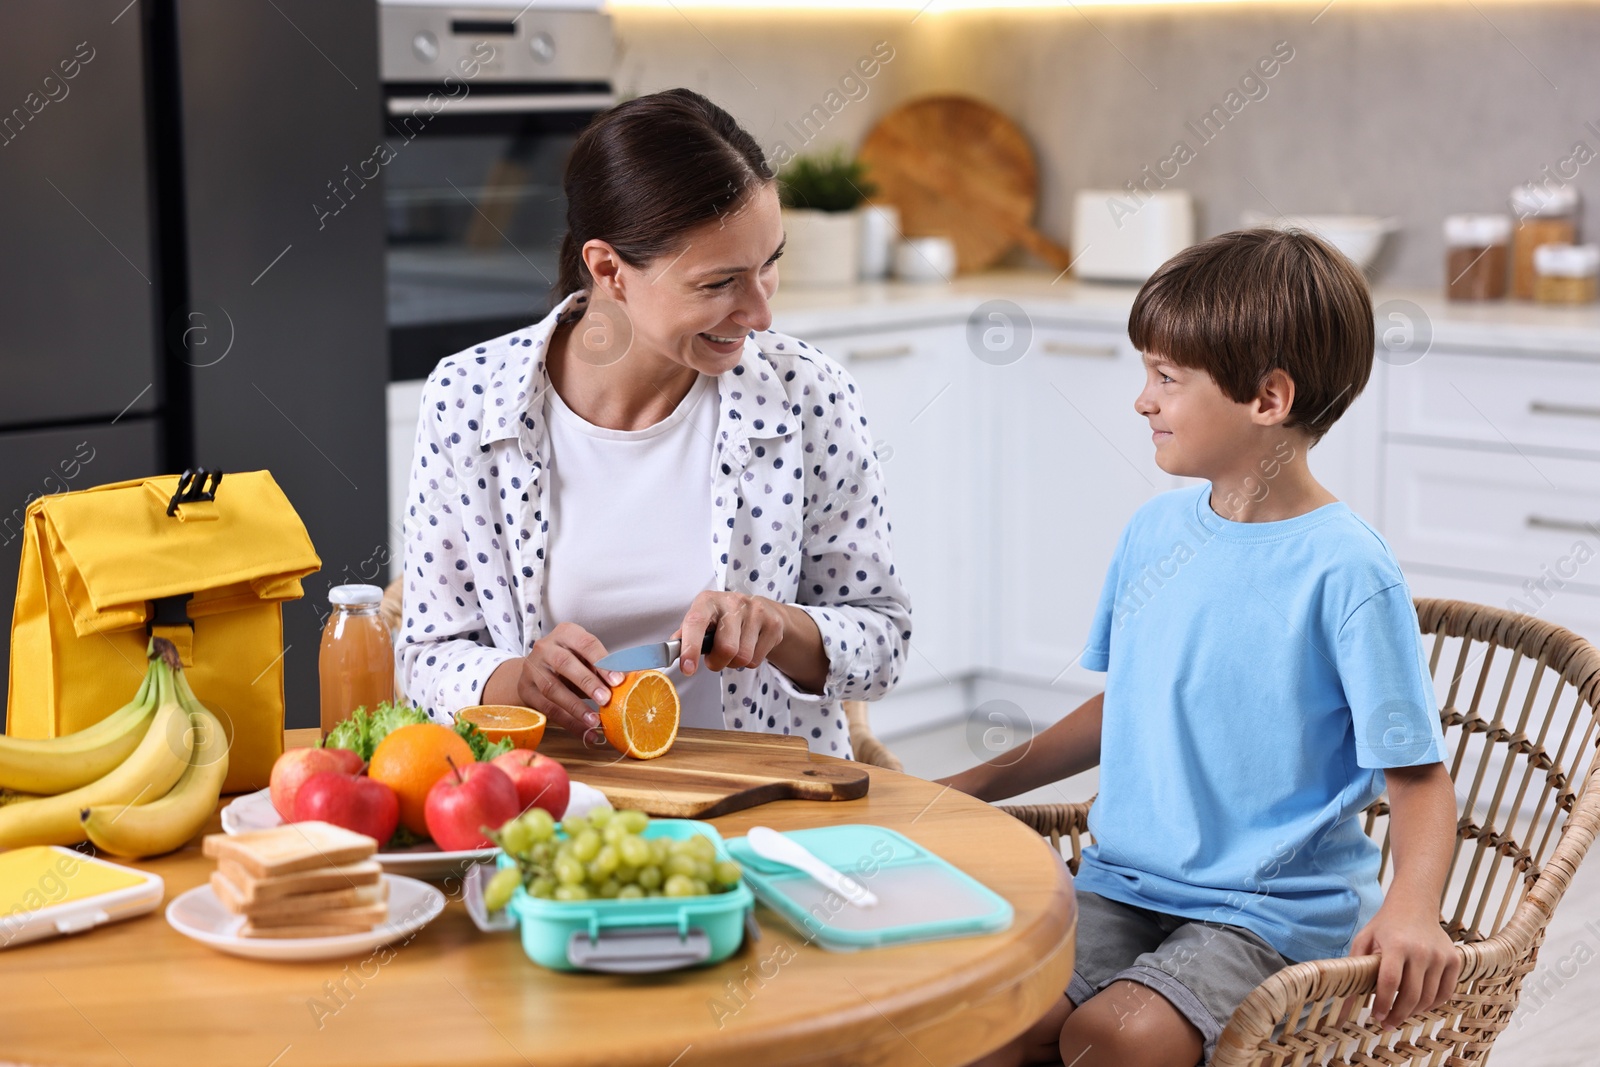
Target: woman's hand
x=752 y=630
x=556 y=675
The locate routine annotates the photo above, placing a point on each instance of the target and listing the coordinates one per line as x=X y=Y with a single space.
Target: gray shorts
x=1204 y=969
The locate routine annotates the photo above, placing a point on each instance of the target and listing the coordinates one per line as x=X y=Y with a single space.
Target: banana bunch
x=140 y=804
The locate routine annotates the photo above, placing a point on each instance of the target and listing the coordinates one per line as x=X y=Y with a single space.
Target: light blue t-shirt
x=1258 y=675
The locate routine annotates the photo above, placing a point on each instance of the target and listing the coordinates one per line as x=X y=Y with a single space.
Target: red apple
x=354 y=802
x=541 y=781
x=296 y=765
x=467 y=799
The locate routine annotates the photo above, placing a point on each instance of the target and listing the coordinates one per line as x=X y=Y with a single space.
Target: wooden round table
x=136 y=992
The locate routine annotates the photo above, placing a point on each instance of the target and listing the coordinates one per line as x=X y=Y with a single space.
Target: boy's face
x=1199 y=432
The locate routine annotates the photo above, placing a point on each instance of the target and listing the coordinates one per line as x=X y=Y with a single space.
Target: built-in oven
x=482 y=105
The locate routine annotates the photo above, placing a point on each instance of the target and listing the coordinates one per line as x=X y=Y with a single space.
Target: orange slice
x=641 y=718
x=524 y=726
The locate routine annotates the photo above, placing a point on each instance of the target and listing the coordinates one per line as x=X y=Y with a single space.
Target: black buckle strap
x=169 y=611
x=192 y=488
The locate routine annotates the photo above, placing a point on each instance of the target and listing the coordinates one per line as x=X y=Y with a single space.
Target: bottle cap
x=1476 y=231
x=354 y=595
x=1535 y=200
x=1567 y=261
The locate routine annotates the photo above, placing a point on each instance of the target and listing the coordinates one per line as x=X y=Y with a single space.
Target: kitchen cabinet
x=1072 y=463
x=916 y=385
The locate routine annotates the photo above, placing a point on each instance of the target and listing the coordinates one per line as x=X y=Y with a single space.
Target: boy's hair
x=1248 y=302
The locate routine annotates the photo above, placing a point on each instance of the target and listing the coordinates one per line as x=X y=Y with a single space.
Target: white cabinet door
x=915 y=386
x=1074 y=462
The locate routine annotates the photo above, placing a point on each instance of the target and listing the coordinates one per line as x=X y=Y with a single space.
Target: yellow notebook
x=47 y=890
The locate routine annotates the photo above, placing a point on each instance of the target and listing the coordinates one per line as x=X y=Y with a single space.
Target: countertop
x=807 y=311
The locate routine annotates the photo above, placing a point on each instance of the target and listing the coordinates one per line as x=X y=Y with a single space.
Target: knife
x=656 y=656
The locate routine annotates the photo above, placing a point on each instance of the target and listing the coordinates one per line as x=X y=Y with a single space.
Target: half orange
x=524 y=726
x=641 y=718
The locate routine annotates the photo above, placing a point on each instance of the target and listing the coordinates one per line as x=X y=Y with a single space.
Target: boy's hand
x=1419 y=964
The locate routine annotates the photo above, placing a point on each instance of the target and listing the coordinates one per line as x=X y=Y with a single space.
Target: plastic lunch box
x=623 y=936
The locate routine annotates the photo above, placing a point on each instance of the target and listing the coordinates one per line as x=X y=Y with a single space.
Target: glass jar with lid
x=1566 y=274
x=1545 y=216
x=1475 y=256
x=355 y=664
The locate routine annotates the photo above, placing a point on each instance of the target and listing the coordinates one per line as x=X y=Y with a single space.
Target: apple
x=467 y=799
x=352 y=801
x=296 y=765
x=541 y=781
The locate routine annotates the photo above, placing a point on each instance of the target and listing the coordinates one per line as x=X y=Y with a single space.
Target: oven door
x=474 y=210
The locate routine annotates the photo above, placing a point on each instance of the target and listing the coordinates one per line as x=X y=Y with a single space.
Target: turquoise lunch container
x=634 y=936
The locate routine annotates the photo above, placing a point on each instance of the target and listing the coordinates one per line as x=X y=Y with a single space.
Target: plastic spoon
x=770 y=844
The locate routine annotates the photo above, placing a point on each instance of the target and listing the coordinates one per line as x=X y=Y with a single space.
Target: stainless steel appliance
x=482 y=103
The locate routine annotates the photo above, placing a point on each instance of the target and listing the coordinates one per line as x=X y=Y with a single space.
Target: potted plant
x=821 y=196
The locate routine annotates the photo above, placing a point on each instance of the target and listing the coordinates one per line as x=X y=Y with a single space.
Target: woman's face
x=716 y=286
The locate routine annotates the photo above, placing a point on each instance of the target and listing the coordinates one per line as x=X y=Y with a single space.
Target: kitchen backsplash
x=1368 y=109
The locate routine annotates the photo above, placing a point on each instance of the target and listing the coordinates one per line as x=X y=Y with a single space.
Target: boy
x=1264 y=679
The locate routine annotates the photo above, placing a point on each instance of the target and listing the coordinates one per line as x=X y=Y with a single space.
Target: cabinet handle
x=1539 y=522
x=886 y=352
x=1079 y=349
x=1541 y=407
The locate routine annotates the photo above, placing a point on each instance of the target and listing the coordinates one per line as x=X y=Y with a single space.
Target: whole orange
x=409 y=760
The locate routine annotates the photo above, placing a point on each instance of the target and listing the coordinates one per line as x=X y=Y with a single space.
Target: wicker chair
x=1521 y=747
x=867 y=748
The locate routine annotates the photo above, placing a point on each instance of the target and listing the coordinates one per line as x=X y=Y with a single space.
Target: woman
x=650 y=460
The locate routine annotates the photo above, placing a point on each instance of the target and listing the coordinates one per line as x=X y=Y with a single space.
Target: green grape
x=608 y=889
x=626 y=874
x=543 y=887
x=541 y=825
x=650 y=877
x=569 y=870
x=599 y=817
x=660 y=849
x=635 y=851
x=700 y=888
x=571 y=892
x=497 y=894
x=679 y=886
x=702 y=871
x=680 y=864
x=634 y=820
x=701 y=848
x=728 y=873
x=574 y=826
x=542 y=854
x=516 y=837
x=630 y=892
x=586 y=845
x=605 y=862
x=614 y=832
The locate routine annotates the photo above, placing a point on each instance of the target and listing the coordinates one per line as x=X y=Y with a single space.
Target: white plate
x=254 y=811
x=198 y=914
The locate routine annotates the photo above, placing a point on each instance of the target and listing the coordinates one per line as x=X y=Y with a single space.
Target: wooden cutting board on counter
x=709 y=773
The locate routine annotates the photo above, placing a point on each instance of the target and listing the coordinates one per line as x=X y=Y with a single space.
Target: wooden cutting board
x=956 y=166
x=709 y=773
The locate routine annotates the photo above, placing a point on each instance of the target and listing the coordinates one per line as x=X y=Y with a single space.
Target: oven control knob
x=543 y=46
x=425 y=46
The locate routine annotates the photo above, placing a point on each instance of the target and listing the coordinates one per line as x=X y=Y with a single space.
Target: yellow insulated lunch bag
x=202 y=560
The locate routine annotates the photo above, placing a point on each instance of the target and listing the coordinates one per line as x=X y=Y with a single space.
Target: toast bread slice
x=241 y=902
x=249 y=929
x=358 y=917
x=250 y=890
x=292 y=847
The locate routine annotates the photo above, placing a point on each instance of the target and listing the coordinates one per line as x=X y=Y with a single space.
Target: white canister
x=820 y=247
x=880 y=234
x=925 y=259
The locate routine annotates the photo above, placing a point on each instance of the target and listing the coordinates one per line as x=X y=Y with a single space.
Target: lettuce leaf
x=362 y=731
x=482 y=748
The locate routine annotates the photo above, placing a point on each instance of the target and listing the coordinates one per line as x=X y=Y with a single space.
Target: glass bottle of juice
x=356 y=661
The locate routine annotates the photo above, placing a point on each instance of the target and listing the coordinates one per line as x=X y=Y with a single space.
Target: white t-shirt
x=630 y=531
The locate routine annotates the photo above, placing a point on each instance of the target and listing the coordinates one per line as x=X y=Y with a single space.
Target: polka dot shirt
x=799 y=516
